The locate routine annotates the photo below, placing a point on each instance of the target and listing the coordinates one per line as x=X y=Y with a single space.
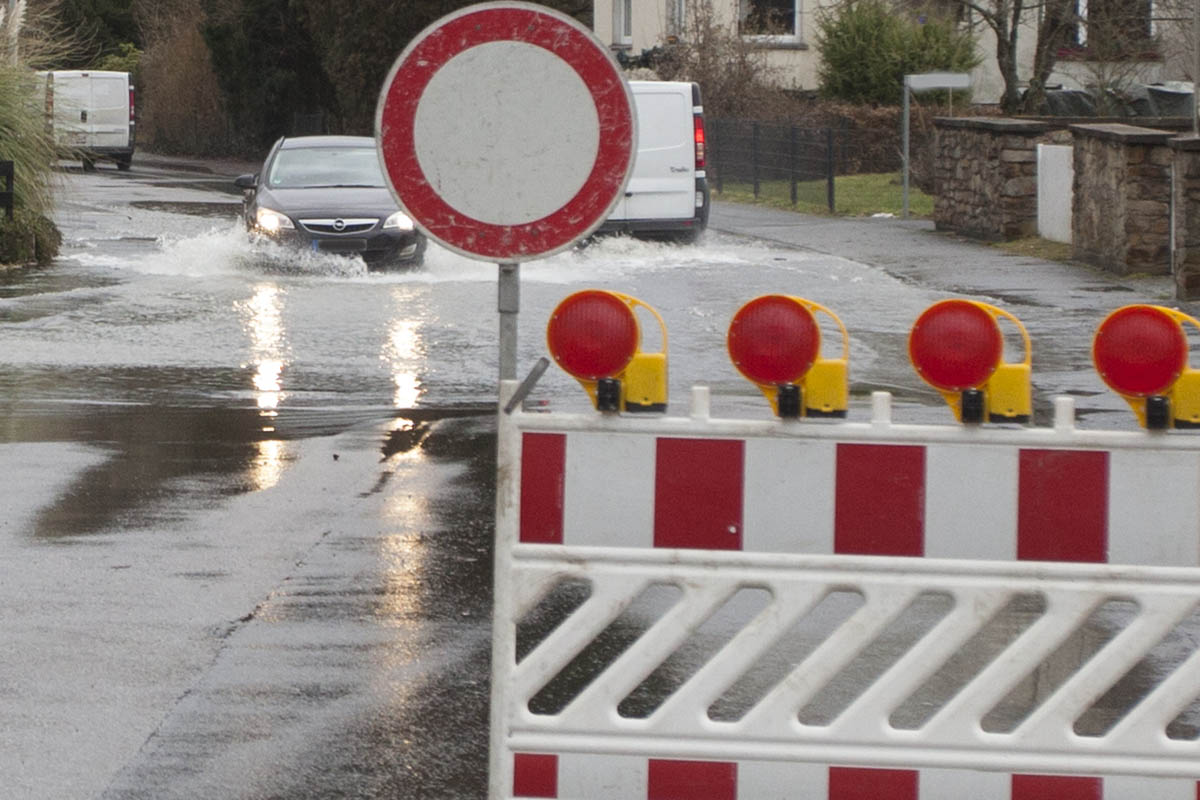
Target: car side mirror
x=246 y=181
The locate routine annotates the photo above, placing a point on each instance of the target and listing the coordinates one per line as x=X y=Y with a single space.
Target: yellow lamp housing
x=957 y=347
x=775 y=342
x=594 y=335
x=1141 y=352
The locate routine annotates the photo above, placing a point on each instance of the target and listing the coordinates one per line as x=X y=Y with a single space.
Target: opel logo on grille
x=339 y=225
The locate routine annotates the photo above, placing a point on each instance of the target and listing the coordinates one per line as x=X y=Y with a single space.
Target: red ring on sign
x=773 y=339
x=1140 y=350
x=955 y=345
x=397 y=114
x=593 y=334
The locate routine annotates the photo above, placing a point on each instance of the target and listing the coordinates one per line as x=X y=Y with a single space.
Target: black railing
x=6 y=194
x=784 y=161
x=756 y=154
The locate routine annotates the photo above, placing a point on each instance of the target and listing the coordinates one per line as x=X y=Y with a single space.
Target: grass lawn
x=854 y=195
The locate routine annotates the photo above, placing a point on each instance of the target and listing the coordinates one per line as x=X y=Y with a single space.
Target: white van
x=667 y=196
x=92 y=114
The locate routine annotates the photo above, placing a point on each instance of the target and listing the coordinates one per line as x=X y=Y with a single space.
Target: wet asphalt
x=204 y=597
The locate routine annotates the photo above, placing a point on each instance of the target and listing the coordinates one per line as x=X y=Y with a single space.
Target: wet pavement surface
x=248 y=495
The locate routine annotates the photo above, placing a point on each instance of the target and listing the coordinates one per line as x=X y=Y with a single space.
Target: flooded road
x=248 y=495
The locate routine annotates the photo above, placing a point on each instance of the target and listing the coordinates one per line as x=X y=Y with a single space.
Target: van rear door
x=663 y=184
x=71 y=95
x=108 y=117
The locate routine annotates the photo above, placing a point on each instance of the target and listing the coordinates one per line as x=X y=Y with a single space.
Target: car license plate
x=340 y=245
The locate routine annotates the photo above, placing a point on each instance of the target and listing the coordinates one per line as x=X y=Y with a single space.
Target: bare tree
x=732 y=73
x=1007 y=19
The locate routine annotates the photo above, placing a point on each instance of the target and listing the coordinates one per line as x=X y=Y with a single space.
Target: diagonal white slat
x=597 y=703
x=1054 y=718
x=1147 y=722
x=960 y=718
x=547 y=659
x=922 y=661
x=711 y=681
x=778 y=709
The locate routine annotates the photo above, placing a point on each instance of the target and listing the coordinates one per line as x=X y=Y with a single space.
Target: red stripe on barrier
x=852 y=783
x=1056 y=787
x=543 y=466
x=698 y=493
x=1062 y=507
x=692 y=780
x=880 y=500
x=535 y=775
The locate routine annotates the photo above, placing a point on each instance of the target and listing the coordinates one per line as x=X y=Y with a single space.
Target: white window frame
x=797 y=35
x=623 y=23
x=676 y=17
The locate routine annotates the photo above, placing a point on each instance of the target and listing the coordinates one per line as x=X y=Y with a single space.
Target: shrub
x=180 y=104
x=28 y=238
x=126 y=59
x=867 y=48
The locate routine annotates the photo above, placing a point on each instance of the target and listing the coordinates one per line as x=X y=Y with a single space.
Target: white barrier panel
x=825 y=642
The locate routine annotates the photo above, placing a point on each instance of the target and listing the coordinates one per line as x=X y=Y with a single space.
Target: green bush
x=126 y=59
x=867 y=47
x=28 y=238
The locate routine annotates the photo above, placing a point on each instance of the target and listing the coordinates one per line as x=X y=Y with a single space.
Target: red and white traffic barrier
x=580 y=777
x=869 y=489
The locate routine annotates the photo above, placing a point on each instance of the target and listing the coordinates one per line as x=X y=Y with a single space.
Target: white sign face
x=491 y=164
x=506 y=131
x=928 y=81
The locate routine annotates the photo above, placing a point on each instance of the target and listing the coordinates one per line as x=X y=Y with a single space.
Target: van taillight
x=699 y=128
x=131 y=114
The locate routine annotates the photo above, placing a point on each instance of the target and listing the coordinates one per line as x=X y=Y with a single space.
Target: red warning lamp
x=957 y=347
x=1141 y=353
x=595 y=337
x=775 y=342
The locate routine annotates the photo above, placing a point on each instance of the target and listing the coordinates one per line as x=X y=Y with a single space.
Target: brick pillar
x=1185 y=254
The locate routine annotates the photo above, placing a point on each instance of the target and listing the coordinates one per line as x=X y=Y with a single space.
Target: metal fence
x=783 y=160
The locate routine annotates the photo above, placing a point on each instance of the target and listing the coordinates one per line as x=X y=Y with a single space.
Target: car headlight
x=399 y=221
x=272 y=221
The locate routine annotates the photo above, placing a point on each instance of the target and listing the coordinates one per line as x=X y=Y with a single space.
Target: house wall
x=795 y=64
x=792 y=64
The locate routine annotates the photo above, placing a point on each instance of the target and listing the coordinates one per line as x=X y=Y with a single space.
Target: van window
x=664 y=120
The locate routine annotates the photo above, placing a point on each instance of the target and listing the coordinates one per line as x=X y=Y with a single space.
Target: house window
x=1115 y=30
x=675 y=17
x=623 y=22
x=774 y=18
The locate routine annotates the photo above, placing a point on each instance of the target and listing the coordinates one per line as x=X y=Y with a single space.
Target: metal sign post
x=493 y=165
x=925 y=82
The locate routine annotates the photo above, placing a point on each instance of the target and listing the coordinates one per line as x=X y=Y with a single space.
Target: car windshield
x=311 y=167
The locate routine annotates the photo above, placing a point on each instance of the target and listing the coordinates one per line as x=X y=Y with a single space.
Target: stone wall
x=985 y=175
x=1121 y=211
x=1186 y=256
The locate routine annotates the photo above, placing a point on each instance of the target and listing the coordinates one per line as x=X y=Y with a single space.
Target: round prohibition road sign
x=506 y=131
